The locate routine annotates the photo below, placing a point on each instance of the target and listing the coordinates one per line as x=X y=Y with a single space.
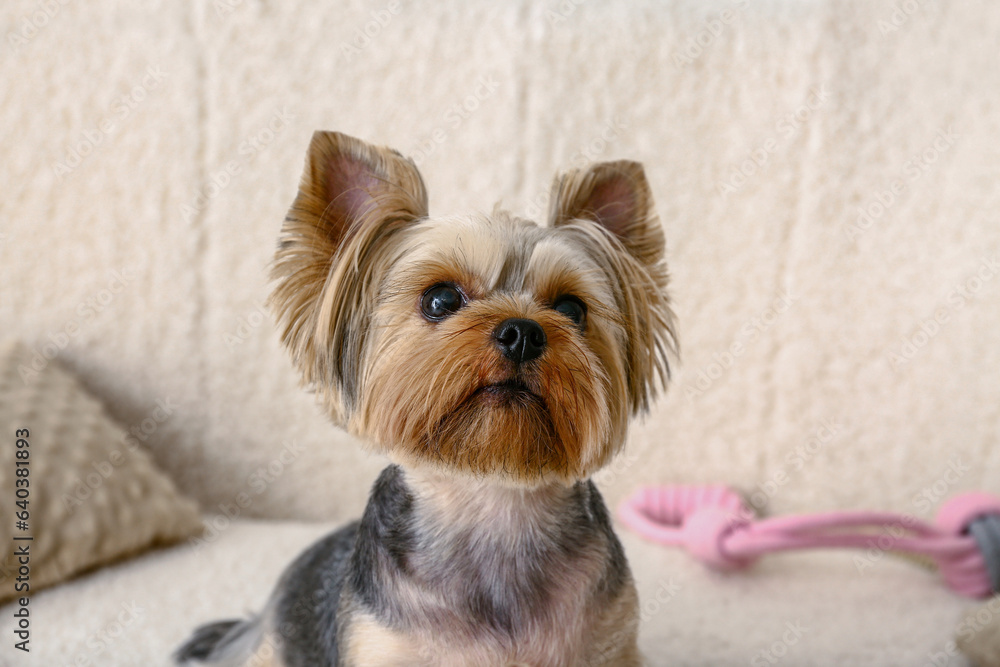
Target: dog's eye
x=440 y=301
x=572 y=308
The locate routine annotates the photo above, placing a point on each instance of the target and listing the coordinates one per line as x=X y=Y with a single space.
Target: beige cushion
x=978 y=635
x=94 y=495
x=789 y=610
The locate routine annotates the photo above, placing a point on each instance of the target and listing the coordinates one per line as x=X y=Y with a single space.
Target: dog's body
x=497 y=363
x=426 y=579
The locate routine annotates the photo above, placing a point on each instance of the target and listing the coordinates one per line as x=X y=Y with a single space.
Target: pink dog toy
x=714 y=524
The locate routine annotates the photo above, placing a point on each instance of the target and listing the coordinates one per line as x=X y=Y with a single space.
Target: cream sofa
x=827 y=175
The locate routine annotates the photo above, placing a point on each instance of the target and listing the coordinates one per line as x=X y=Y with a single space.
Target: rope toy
x=714 y=525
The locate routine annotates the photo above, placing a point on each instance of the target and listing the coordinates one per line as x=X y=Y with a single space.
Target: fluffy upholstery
x=978 y=635
x=93 y=495
x=826 y=174
x=152 y=253
x=803 y=609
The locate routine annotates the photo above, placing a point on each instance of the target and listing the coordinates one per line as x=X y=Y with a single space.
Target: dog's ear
x=353 y=199
x=615 y=195
x=629 y=243
x=347 y=181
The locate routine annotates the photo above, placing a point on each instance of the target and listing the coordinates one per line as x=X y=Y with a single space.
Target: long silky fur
x=326 y=267
x=631 y=245
x=488 y=545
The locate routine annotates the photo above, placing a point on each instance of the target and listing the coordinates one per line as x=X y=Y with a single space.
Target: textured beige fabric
x=153 y=249
x=831 y=359
x=94 y=495
x=783 y=612
x=979 y=634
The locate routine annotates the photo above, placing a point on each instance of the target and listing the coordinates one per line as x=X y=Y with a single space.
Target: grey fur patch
x=208 y=639
x=616 y=576
x=498 y=590
x=384 y=542
x=307 y=598
x=489 y=591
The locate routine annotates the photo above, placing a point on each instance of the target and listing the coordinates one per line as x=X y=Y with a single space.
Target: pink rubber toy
x=714 y=524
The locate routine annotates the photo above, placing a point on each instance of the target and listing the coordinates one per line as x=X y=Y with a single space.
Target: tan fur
x=352 y=199
x=334 y=258
x=372 y=645
x=618 y=197
x=574 y=428
x=369 y=644
x=358 y=251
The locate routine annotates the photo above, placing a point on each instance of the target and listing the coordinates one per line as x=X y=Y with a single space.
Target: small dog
x=497 y=363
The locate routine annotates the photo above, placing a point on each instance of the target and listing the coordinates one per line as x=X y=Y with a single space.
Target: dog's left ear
x=616 y=195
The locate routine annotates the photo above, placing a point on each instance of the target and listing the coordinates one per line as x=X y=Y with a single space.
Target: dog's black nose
x=520 y=340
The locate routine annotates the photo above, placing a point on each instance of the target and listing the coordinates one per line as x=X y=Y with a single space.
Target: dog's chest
x=373 y=645
x=504 y=583
x=567 y=630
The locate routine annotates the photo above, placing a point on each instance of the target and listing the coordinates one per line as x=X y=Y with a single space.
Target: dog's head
x=484 y=344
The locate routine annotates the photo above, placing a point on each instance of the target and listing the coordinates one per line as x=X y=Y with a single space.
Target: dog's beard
x=469 y=409
x=503 y=428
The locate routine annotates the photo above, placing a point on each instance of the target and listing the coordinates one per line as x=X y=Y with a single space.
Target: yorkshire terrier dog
x=497 y=363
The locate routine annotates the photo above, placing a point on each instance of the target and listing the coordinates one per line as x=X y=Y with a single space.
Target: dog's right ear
x=352 y=199
x=346 y=180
